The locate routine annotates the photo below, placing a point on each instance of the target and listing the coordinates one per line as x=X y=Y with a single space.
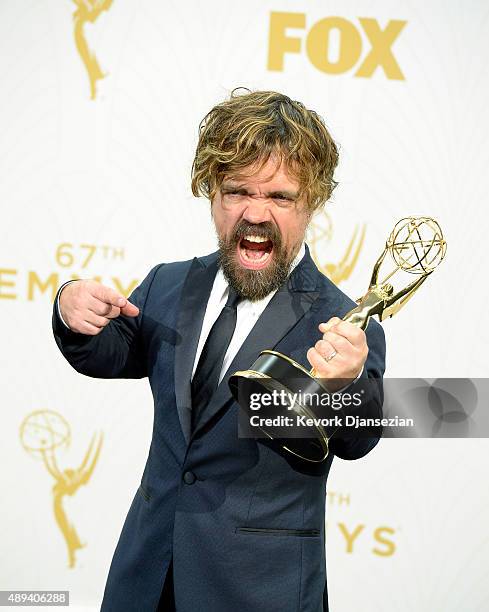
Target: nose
x=257 y=210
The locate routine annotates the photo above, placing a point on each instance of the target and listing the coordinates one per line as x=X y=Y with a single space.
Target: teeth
x=252 y=238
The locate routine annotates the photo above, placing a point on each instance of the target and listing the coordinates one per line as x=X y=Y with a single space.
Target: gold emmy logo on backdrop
x=88 y=11
x=320 y=230
x=43 y=432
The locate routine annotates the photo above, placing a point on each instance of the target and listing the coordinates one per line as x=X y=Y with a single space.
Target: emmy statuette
x=416 y=247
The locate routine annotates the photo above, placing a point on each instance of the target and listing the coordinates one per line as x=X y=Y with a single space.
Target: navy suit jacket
x=242 y=521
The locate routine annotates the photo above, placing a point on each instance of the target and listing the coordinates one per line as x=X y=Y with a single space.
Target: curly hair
x=251 y=127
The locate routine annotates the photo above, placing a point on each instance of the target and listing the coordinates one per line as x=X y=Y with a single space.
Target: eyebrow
x=293 y=195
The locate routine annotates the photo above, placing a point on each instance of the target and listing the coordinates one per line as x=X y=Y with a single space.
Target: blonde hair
x=251 y=127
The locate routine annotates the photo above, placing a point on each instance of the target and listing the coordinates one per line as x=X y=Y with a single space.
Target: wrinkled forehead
x=272 y=170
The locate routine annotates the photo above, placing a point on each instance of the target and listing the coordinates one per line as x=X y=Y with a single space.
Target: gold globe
x=417 y=245
x=44 y=430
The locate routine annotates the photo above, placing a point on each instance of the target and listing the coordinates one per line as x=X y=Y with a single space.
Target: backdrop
x=100 y=106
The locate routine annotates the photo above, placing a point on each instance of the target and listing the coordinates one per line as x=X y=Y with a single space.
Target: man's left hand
x=340 y=355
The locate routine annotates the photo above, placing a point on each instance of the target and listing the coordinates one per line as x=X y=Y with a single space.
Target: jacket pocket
x=301 y=533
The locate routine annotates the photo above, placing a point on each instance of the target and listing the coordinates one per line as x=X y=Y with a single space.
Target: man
x=223 y=523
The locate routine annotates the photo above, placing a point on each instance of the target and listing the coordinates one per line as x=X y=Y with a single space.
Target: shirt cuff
x=349 y=384
x=58 y=309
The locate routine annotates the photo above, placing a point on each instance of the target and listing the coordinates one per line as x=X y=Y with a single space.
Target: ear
x=309 y=214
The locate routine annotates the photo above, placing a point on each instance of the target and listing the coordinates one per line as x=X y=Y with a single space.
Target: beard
x=250 y=284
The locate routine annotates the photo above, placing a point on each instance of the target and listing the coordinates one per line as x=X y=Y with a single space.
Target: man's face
x=260 y=224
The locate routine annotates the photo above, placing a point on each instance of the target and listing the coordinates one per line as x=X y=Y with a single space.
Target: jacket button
x=189 y=478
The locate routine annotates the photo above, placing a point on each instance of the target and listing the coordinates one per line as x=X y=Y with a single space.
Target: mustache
x=263 y=230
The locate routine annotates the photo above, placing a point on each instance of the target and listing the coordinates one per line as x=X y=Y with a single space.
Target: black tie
x=206 y=377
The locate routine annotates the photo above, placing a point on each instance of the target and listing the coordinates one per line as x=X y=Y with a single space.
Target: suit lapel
x=193 y=303
x=284 y=310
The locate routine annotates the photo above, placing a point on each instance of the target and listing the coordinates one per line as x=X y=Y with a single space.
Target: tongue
x=256 y=246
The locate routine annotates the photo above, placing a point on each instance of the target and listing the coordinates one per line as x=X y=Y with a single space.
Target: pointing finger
x=108 y=296
x=130 y=310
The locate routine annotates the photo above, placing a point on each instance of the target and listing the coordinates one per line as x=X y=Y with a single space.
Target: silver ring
x=333 y=354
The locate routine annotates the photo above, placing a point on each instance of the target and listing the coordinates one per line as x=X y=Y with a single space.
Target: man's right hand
x=87 y=306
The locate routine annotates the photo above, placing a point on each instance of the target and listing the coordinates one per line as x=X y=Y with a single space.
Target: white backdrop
x=107 y=179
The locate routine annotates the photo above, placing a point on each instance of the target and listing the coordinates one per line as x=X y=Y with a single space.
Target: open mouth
x=254 y=252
